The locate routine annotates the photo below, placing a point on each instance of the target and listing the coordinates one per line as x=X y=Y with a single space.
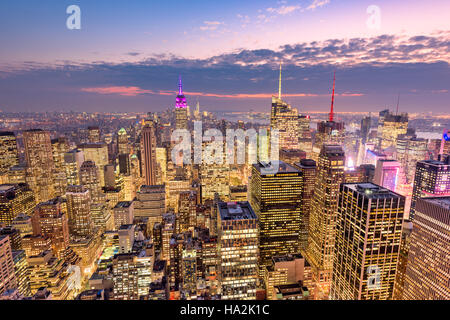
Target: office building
x=322 y=219
x=368 y=236
x=7 y=274
x=39 y=158
x=432 y=178
x=79 y=211
x=387 y=174
x=8 y=150
x=276 y=199
x=428 y=270
x=238 y=250
x=148 y=153
x=14 y=200
x=308 y=169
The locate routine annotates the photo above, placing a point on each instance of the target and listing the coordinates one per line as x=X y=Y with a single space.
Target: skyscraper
x=14 y=200
x=409 y=152
x=322 y=219
x=238 y=250
x=39 y=158
x=308 y=170
x=150 y=203
x=365 y=128
x=432 y=178
x=304 y=134
x=181 y=111
x=276 y=200
x=94 y=134
x=72 y=162
x=54 y=223
x=79 y=210
x=60 y=147
x=368 y=235
x=7 y=274
x=285 y=119
x=8 y=150
x=328 y=132
x=89 y=177
x=387 y=173
x=148 y=153
x=394 y=125
x=98 y=153
x=428 y=270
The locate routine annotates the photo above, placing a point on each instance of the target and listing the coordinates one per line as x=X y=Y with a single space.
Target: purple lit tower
x=181 y=109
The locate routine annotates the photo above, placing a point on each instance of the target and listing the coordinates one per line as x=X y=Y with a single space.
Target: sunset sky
x=128 y=54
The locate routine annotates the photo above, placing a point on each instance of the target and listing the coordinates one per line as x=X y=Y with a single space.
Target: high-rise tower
x=39 y=157
x=8 y=150
x=181 y=110
x=368 y=235
x=328 y=132
x=284 y=118
x=148 y=156
x=276 y=200
x=432 y=178
x=322 y=219
x=428 y=271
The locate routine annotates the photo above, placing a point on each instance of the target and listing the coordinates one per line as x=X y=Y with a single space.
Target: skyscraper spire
x=332 y=99
x=398 y=102
x=180 y=86
x=279 y=84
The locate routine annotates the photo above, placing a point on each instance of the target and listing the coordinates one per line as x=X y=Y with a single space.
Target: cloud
x=210 y=25
x=136 y=91
x=317 y=4
x=283 y=10
x=120 y=90
x=369 y=72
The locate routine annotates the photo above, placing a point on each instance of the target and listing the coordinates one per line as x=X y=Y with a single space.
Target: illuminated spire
x=180 y=86
x=332 y=99
x=279 y=84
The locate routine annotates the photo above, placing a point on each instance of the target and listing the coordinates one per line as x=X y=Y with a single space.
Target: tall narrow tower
x=322 y=219
x=148 y=147
x=181 y=114
x=332 y=99
x=284 y=118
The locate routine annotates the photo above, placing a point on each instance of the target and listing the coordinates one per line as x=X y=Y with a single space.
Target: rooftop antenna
x=180 y=86
x=279 y=84
x=332 y=99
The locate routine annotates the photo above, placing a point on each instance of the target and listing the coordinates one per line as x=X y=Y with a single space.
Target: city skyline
x=201 y=151
x=132 y=61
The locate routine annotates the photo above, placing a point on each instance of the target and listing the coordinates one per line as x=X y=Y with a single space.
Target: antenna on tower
x=332 y=99
x=180 y=86
x=398 y=102
x=279 y=84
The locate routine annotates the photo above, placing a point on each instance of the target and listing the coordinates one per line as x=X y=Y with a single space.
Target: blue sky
x=129 y=53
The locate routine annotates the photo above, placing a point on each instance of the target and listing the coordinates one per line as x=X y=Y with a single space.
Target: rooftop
x=371 y=190
x=306 y=163
x=236 y=211
x=278 y=166
x=123 y=204
x=443 y=202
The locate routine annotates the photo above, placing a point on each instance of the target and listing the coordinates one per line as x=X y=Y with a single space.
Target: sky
x=128 y=54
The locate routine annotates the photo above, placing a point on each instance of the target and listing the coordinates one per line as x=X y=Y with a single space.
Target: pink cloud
x=135 y=91
x=120 y=90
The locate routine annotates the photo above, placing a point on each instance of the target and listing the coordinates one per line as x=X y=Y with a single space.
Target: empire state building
x=181 y=111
